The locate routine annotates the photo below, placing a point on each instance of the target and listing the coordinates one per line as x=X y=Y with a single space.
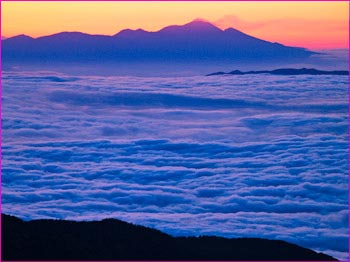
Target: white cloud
x=262 y=156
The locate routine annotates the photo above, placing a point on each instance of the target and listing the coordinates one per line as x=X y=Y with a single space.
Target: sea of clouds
x=236 y=156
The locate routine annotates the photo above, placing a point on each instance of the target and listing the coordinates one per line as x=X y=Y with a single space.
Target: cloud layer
x=237 y=156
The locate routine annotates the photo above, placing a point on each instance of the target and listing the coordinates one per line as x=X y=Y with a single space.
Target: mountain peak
x=201 y=24
x=131 y=32
x=200 y=20
x=232 y=30
x=197 y=25
x=66 y=36
x=21 y=37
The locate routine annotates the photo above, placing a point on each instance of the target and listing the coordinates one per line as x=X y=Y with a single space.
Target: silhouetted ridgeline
x=112 y=239
x=194 y=41
x=284 y=71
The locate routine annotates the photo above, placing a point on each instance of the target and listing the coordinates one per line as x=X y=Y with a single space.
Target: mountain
x=112 y=239
x=194 y=41
x=285 y=71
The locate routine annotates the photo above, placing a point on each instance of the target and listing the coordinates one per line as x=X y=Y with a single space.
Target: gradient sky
x=314 y=25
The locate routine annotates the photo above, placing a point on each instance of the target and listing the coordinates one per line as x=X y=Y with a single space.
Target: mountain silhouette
x=112 y=239
x=195 y=41
x=285 y=71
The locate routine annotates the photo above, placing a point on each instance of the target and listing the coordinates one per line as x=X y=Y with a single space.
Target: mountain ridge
x=112 y=239
x=194 y=41
x=194 y=23
x=284 y=71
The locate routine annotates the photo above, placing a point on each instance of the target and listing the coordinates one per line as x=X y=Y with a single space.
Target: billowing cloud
x=235 y=156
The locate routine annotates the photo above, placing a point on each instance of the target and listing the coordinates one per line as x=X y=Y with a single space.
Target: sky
x=314 y=25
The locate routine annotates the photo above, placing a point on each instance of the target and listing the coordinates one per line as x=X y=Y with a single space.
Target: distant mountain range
x=284 y=71
x=195 y=41
x=112 y=239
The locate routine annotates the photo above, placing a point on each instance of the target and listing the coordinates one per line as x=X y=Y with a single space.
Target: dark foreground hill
x=284 y=71
x=112 y=239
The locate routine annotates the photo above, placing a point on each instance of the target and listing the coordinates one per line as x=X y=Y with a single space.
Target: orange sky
x=308 y=24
